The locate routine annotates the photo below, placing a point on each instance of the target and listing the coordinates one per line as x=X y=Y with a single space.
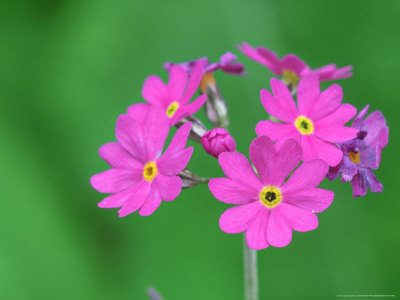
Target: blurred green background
x=69 y=68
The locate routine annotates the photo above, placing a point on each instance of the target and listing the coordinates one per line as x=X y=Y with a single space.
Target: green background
x=69 y=68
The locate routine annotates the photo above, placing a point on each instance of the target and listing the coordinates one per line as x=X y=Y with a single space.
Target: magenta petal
x=277 y=131
x=292 y=63
x=271 y=60
x=309 y=153
x=115 y=180
x=118 y=157
x=253 y=54
x=299 y=220
x=358 y=120
x=276 y=107
x=287 y=159
x=194 y=81
x=312 y=200
x=169 y=187
x=238 y=218
x=236 y=166
x=262 y=155
x=307 y=94
x=155 y=91
x=138 y=111
x=188 y=109
x=279 y=233
x=176 y=157
x=284 y=97
x=256 y=233
x=152 y=202
x=308 y=175
x=232 y=191
x=329 y=101
x=327 y=151
x=341 y=116
x=335 y=133
x=135 y=198
x=177 y=82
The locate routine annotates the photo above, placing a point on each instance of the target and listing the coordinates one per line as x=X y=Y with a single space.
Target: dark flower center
x=304 y=124
x=270 y=196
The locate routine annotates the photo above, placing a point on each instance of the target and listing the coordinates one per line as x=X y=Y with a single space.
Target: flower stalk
x=250 y=272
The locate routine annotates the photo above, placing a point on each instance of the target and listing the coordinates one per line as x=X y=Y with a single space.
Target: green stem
x=250 y=272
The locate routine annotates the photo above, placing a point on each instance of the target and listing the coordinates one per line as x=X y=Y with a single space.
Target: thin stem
x=250 y=272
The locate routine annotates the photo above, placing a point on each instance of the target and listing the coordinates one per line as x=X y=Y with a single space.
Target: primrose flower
x=316 y=122
x=217 y=141
x=173 y=98
x=292 y=68
x=268 y=207
x=363 y=154
x=140 y=177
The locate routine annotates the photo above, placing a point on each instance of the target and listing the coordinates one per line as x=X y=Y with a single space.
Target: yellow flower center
x=206 y=80
x=354 y=157
x=150 y=171
x=270 y=196
x=304 y=125
x=290 y=79
x=172 y=108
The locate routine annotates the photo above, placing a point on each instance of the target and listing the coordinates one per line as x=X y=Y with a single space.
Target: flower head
x=292 y=68
x=316 y=122
x=269 y=207
x=217 y=141
x=363 y=154
x=141 y=177
x=227 y=64
x=173 y=98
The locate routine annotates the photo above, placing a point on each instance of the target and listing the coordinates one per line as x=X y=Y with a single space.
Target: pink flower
x=270 y=208
x=218 y=140
x=316 y=122
x=140 y=176
x=292 y=68
x=173 y=98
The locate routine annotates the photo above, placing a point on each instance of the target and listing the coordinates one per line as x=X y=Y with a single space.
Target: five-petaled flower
x=316 y=122
x=173 y=98
x=140 y=177
x=270 y=207
x=363 y=154
x=291 y=67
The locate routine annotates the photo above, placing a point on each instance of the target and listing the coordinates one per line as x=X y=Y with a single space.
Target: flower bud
x=218 y=140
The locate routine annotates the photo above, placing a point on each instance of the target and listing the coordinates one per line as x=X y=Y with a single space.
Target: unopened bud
x=215 y=106
x=218 y=140
x=198 y=128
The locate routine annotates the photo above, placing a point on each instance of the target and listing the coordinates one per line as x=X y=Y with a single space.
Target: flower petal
x=287 y=159
x=284 y=98
x=312 y=200
x=176 y=157
x=176 y=83
x=188 y=109
x=155 y=91
x=232 y=191
x=307 y=94
x=115 y=180
x=135 y=198
x=238 y=218
x=118 y=157
x=309 y=153
x=279 y=233
x=274 y=106
x=236 y=166
x=256 y=233
x=341 y=116
x=262 y=155
x=277 y=131
x=169 y=187
x=329 y=101
x=194 y=81
x=292 y=63
x=299 y=220
x=308 y=175
x=139 y=111
x=326 y=151
x=152 y=202
x=335 y=133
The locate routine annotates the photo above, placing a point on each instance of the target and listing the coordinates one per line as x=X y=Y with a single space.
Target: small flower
x=363 y=154
x=292 y=68
x=173 y=98
x=218 y=140
x=316 y=122
x=227 y=64
x=140 y=177
x=268 y=207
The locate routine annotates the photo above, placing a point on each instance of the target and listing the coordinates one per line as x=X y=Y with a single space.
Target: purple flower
x=292 y=68
x=227 y=64
x=363 y=154
x=218 y=140
x=141 y=177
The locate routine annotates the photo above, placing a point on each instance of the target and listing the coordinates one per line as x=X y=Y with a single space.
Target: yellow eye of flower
x=290 y=79
x=150 y=171
x=172 y=108
x=354 y=157
x=270 y=196
x=304 y=125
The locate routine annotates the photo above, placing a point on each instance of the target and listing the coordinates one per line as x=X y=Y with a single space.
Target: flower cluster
x=303 y=140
